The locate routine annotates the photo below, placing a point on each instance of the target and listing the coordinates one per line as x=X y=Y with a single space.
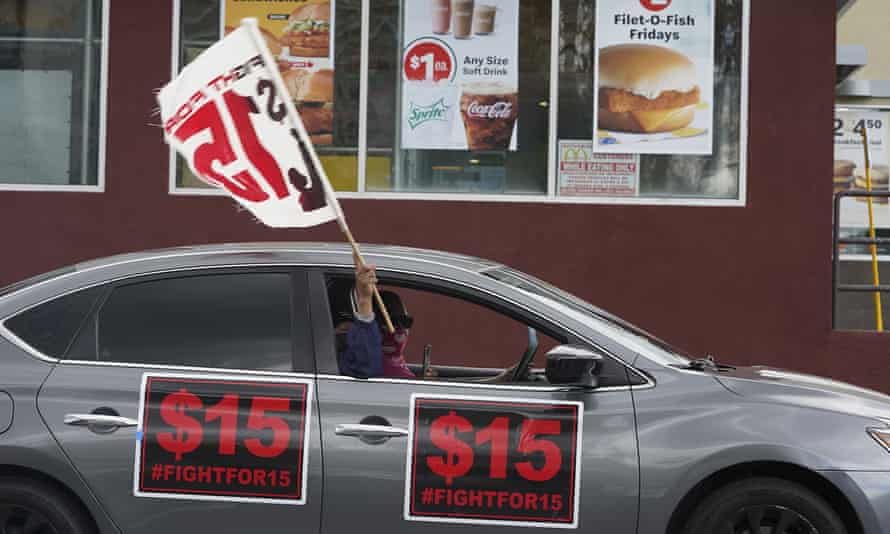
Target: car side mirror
x=573 y=365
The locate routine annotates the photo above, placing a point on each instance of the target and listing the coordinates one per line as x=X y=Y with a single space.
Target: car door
x=411 y=455
x=187 y=403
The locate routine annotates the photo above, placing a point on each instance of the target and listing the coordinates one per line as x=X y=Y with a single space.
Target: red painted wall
x=749 y=285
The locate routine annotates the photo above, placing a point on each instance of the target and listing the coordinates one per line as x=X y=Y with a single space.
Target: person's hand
x=430 y=372
x=365 y=282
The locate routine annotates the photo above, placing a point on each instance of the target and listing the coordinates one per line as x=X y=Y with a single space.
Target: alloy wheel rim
x=768 y=519
x=17 y=519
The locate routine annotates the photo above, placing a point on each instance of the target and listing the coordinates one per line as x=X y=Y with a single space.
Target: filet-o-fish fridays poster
x=849 y=164
x=655 y=76
x=460 y=75
x=299 y=35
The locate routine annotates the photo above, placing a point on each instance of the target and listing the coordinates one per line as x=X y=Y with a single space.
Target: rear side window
x=50 y=327
x=231 y=321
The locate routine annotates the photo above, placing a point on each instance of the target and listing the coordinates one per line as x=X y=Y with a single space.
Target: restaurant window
x=511 y=99
x=52 y=70
x=321 y=72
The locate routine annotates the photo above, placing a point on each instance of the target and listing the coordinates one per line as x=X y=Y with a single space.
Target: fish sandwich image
x=646 y=89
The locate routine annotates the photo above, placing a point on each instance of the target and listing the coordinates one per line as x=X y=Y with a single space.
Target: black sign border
x=177 y=493
x=410 y=515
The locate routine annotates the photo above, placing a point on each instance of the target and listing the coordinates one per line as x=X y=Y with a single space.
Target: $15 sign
x=178 y=410
x=460 y=442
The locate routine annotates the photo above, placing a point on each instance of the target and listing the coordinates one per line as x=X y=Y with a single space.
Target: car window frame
x=325 y=353
x=299 y=317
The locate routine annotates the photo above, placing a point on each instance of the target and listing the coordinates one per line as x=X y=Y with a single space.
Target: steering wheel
x=522 y=368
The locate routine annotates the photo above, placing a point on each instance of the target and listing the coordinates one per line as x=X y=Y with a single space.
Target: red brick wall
x=749 y=285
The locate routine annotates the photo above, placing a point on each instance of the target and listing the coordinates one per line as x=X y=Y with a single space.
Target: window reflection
x=50 y=66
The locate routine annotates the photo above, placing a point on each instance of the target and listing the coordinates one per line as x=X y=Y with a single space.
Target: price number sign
x=429 y=60
x=493 y=461
x=857 y=125
x=220 y=439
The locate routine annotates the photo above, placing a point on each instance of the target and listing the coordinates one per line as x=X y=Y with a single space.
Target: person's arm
x=363 y=355
x=365 y=282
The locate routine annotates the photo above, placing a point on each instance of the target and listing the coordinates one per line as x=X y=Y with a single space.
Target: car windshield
x=602 y=321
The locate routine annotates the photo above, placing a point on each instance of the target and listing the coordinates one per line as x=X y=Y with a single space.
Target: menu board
x=849 y=164
x=299 y=35
x=460 y=75
x=654 y=76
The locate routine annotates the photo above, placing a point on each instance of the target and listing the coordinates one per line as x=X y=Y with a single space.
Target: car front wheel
x=28 y=506
x=764 y=506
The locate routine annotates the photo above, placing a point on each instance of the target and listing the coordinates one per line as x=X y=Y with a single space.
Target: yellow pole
x=876 y=279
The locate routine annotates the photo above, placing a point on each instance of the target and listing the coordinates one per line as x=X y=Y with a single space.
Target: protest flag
x=230 y=116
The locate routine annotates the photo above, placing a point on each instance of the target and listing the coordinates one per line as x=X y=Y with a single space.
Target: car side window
x=465 y=341
x=229 y=321
x=50 y=327
x=468 y=338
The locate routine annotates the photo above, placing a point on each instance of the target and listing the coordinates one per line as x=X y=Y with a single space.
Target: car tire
x=764 y=505
x=26 y=503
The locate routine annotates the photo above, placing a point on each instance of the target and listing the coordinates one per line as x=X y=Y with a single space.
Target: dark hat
x=341 y=300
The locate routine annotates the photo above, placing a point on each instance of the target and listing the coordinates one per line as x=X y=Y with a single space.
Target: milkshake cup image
x=441 y=15
x=462 y=19
x=489 y=111
x=484 y=19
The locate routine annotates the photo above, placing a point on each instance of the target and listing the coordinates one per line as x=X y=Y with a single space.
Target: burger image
x=843 y=174
x=646 y=89
x=880 y=182
x=272 y=42
x=308 y=32
x=313 y=94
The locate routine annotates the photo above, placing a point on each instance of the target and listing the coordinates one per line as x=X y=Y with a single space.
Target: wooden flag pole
x=253 y=29
x=341 y=220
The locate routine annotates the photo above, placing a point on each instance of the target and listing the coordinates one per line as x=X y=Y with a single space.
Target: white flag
x=229 y=115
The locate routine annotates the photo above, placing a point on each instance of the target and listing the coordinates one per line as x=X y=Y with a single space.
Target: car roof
x=336 y=253
x=237 y=254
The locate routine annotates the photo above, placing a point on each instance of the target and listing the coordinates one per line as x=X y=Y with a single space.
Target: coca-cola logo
x=498 y=110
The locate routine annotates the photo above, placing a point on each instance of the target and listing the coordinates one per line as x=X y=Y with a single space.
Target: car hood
x=779 y=385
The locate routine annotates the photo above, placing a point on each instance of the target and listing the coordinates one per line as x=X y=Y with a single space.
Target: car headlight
x=881 y=435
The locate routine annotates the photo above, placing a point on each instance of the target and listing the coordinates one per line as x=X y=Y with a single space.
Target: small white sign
x=584 y=173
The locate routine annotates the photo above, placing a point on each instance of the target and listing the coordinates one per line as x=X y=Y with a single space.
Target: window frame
x=300 y=344
x=99 y=187
x=551 y=196
x=326 y=358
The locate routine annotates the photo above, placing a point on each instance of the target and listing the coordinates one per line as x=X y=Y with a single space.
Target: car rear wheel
x=31 y=507
x=764 y=506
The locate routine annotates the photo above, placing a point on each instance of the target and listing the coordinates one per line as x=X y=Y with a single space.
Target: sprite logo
x=436 y=111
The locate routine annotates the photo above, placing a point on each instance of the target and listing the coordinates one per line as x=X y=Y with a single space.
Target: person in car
x=365 y=347
x=358 y=338
x=394 y=343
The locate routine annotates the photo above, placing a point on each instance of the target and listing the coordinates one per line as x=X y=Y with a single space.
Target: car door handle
x=370 y=431
x=86 y=419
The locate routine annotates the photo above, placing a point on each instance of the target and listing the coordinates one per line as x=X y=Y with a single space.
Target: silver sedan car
x=203 y=390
